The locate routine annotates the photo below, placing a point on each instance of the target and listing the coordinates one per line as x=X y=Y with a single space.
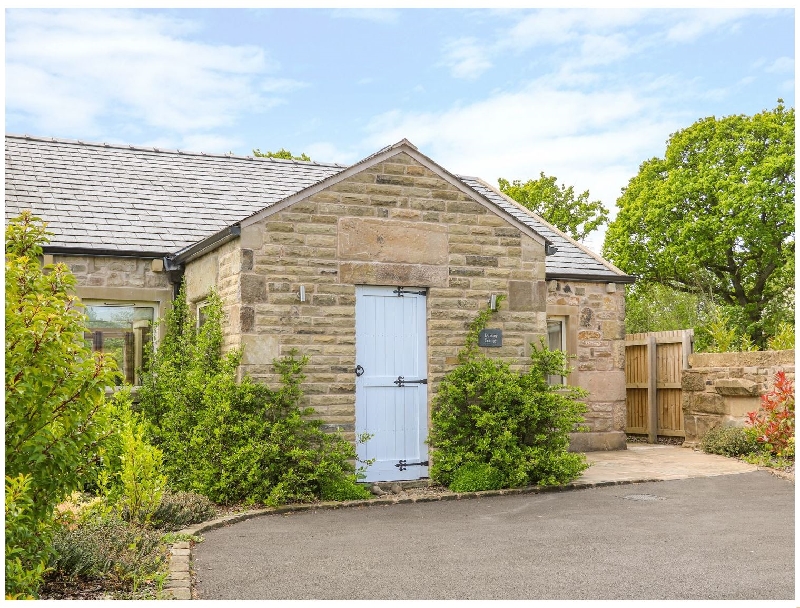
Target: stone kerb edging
x=179 y=584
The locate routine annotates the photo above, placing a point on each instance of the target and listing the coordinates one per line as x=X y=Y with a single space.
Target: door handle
x=359 y=370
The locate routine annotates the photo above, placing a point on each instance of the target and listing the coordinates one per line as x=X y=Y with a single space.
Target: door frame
x=362 y=291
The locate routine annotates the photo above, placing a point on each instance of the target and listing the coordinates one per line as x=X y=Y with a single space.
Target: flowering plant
x=774 y=420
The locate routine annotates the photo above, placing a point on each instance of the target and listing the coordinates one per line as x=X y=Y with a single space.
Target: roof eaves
x=101 y=252
x=591 y=277
x=187 y=254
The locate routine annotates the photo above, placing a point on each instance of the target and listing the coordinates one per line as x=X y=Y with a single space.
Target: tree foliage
x=55 y=391
x=577 y=216
x=716 y=215
x=655 y=307
x=284 y=154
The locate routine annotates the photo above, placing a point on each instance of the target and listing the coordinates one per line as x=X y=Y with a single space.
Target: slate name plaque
x=490 y=337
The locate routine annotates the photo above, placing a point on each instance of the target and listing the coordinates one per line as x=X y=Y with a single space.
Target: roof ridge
x=157 y=150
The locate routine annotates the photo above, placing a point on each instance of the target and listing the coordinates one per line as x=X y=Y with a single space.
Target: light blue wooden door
x=391 y=392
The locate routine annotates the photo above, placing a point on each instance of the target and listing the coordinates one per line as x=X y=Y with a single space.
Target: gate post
x=652 y=390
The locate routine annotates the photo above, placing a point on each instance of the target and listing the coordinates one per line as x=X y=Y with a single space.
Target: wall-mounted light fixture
x=550 y=249
x=302 y=294
x=493 y=302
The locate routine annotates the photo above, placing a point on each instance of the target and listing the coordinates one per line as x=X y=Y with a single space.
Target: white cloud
x=579 y=39
x=555 y=27
x=781 y=65
x=69 y=71
x=327 y=152
x=591 y=140
x=693 y=24
x=466 y=58
x=603 y=50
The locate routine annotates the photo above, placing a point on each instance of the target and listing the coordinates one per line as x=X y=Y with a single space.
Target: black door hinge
x=401 y=292
x=402 y=381
x=402 y=465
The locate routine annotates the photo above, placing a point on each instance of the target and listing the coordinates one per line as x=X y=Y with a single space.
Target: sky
x=582 y=95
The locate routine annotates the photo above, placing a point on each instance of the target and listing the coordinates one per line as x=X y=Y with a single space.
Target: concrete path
x=691 y=536
x=646 y=462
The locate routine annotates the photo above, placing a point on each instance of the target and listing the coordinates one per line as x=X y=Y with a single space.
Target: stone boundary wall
x=720 y=388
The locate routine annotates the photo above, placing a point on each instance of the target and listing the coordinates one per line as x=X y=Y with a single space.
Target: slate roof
x=126 y=200
x=142 y=200
x=571 y=259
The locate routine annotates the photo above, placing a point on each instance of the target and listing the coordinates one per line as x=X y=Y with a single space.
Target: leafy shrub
x=234 y=441
x=110 y=549
x=344 y=489
x=129 y=468
x=27 y=548
x=476 y=477
x=80 y=507
x=55 y=390
x=774 y=421
x=180 y=509
x=142 y=483
x=731 y=441
x=486 y=413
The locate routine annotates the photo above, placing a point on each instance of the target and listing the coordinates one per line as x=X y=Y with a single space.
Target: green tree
x=285 y=154
x=55 y=393
x=716 y=215
x=655 y=307
x=577 y=216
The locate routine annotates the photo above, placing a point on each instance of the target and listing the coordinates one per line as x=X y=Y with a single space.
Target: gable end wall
x=395 y=223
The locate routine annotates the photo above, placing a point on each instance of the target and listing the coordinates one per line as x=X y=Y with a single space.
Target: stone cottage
x=373 y=270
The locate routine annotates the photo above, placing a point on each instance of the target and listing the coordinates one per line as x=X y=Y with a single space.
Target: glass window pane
x=121 y=331
x=555 y=335
x=555 y=341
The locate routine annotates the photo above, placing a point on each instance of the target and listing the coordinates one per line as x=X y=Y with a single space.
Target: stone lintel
x=374 y=273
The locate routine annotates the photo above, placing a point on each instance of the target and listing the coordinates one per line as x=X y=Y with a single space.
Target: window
x=557 y=340
x=201 y=313
x=122 y=330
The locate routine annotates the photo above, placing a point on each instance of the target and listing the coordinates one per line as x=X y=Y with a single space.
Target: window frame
x=138 y=336
x=199 y=306
x=563 y=322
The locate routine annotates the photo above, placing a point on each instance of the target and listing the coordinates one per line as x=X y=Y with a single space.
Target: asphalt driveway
x=724 y=537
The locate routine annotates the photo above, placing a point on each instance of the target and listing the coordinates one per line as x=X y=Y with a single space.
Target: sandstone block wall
x=395 y=223
x=221 y=270
x=720 y=388
x=96 y=271
x=595 y=320
x=117 y=279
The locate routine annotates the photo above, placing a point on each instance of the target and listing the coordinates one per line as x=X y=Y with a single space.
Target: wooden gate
x=654 y=399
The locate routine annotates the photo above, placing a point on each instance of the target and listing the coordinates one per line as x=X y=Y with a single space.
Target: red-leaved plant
x=774 y=420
